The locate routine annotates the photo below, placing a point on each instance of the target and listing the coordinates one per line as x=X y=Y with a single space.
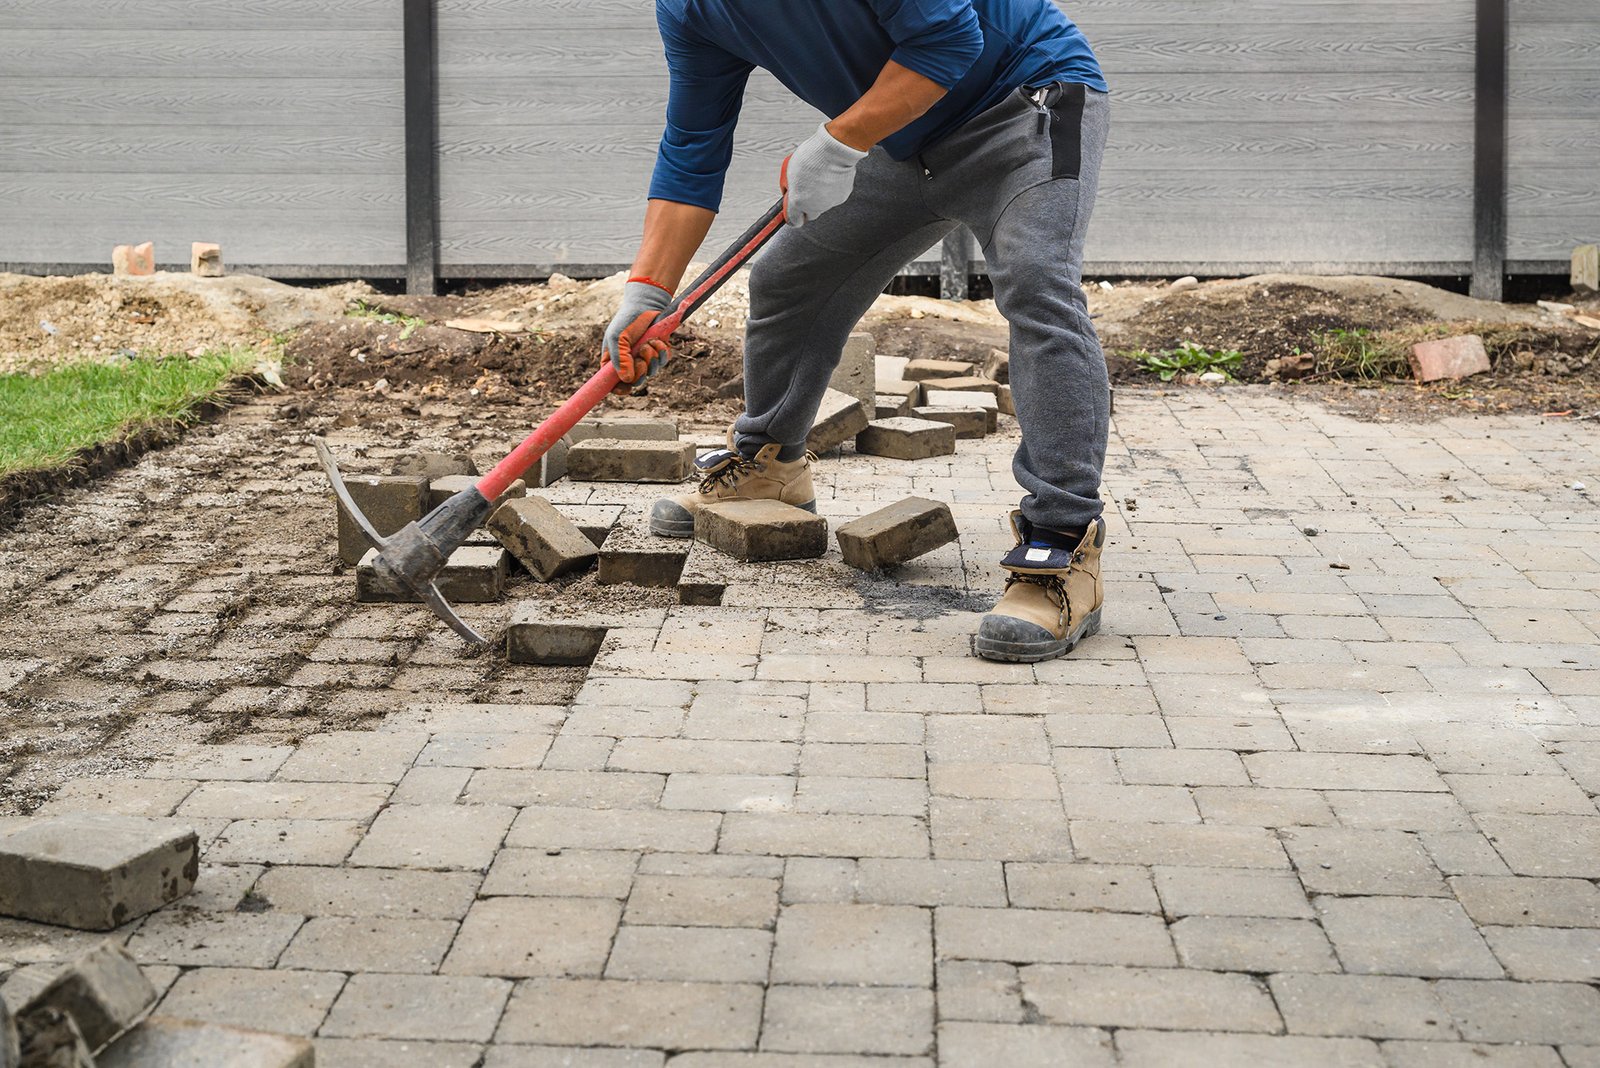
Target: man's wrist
x=850 y=138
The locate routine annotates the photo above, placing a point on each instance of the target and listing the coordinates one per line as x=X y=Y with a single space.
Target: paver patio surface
x=1322 y=792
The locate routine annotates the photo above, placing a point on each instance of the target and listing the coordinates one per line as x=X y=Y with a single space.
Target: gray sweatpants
x=1022 y=177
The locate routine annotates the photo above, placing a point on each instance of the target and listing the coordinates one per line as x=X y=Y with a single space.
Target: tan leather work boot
x=727 y=475
x=1052 y=599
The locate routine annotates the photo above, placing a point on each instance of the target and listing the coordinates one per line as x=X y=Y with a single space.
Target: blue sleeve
x=939 y=39
x=704 y=90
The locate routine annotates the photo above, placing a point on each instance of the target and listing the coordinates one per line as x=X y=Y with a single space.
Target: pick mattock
x=414 y=556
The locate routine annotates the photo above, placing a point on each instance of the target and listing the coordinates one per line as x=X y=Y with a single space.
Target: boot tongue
x=1034 y=556
x=711 y=462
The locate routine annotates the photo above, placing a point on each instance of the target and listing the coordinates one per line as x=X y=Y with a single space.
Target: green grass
x=1362 y=354
x=1188 y=357
x=409 y=323
x=47 y=419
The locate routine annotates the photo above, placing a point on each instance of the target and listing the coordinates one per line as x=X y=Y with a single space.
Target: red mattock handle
x=592 y=392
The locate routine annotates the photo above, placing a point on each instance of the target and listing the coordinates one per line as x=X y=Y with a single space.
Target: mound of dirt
x=547 y=365
x=98 y=317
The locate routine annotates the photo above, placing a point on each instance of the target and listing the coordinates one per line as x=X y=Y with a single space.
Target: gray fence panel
x=1553 y=200
x=273 y=127
x=1327 y=134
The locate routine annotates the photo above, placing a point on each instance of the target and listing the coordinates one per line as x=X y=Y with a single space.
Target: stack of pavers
x=910 y=394
x=99 y=873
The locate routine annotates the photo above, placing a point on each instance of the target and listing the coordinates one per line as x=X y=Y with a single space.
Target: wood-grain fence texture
x=1246 y=134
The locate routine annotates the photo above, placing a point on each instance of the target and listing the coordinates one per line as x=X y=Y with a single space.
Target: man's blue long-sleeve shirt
x=829 y=52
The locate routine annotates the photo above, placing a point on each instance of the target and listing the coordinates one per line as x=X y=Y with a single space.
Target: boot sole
x=1034 y=652
x=678 y=529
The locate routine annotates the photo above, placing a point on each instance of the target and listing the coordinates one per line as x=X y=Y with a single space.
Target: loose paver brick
x=909 y=392
x=535 y=637
x=388 y=501
x=907 y=438
x=762 y=530
x=896 y=534
x=840 y=417
x=623 y=428
x=969 y=421
x=922 y=370
x=95 y=872
x=543 y=540
x=1450 y=357
x=173 y=1043
x=103 y=991
x=982 y=399
x=474 y=574
x=889 y=405
x=432 y=465
x=442 y=489
x=856 y=372
x=618 y=460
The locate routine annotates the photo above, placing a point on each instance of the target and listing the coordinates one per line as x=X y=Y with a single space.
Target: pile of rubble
x=97 y=873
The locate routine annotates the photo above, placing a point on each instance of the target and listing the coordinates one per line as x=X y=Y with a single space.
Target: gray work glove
x=642 y=304
x=817 y=176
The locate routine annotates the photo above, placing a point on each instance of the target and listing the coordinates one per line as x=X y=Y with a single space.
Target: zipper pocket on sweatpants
x=1060 y=109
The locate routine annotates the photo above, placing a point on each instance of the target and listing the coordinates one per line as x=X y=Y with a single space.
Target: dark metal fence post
x=422 y=178
x=955 y=262
x=1489 y=151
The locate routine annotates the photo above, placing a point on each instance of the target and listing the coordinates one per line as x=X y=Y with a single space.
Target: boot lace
x=728 y=474
x=1055 y=586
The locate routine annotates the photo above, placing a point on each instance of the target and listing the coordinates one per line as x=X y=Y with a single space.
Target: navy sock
x=1045 y=538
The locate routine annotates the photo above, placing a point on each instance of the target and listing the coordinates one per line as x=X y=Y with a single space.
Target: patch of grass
x=1188 y=358
x=47 y=419
x=1363 y=354
x=409 y=323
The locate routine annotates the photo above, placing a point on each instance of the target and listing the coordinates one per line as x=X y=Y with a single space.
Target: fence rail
x=447 y=139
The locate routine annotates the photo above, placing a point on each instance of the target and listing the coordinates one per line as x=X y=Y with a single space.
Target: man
x=988 y=113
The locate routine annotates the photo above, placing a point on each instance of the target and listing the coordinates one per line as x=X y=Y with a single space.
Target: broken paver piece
x=442 y=489
x=639 y=559
x=104 y=991
x=95 y=872
x=856 y=373
x=1451 y=357
x=892 y=368
x=761 y=530
x=623 y=428
x=907 y=438
x=970 y=422
x=988 y=402
x=474 y=574
x=1007 y=407
x=619 y=460
x=920 y=370
x=902 y=531
x=552 y=466
x=535 y=637
x=133 y=259
x=839 y=419
x=595 y=520
x=388 y=501
x=432 y=465
x=997 y=366
x=899 y=387
x=164 y=1042
x=546 y=542
x=205 y=259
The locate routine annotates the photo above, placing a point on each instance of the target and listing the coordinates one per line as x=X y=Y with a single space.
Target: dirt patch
x=46 y=321
x=545 y=365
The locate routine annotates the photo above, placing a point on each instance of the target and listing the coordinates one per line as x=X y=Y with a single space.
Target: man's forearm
x=672 y=234
x=898 y=97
